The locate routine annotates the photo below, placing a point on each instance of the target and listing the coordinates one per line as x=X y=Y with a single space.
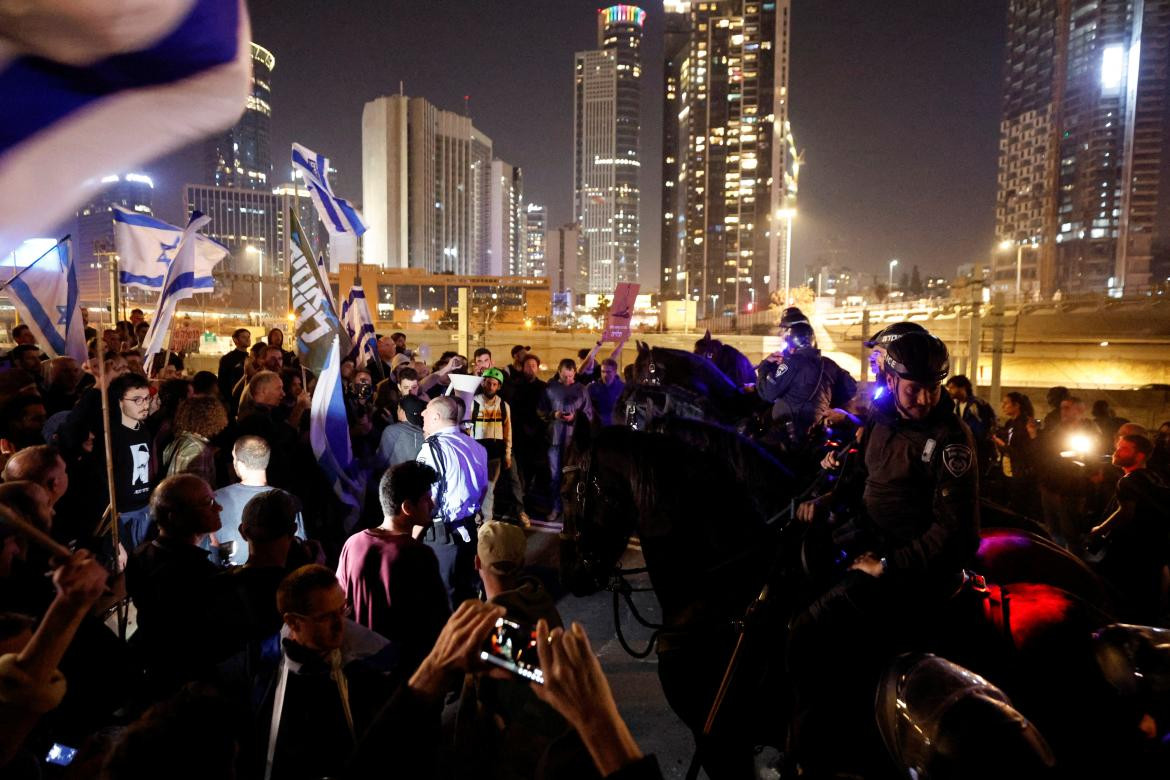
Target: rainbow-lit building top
x=623 y=14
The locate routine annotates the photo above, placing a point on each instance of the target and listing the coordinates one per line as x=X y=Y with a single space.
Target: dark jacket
x=920 y=492
x=800 y=388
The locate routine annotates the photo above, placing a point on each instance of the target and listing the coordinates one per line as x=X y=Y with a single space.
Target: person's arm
x=304 y=402
x=775 y=375
x=80 y=581
x=575 y=686
x=1120 y=518
x=587 y=365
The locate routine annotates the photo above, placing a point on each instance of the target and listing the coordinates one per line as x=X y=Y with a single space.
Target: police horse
x=708 y=516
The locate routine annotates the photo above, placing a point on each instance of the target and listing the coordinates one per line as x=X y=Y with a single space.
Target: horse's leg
x=690 y=677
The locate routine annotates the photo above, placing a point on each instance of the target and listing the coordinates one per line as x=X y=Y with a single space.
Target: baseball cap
x=494 y=373
x=398 y=360
x=519 y=347
x=501 y=547
x=412 y=406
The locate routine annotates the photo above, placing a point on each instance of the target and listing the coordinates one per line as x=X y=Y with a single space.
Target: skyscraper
x=729 y=155
x=426 y=179
x=606 y=136
x=535 y=225
x=95 y=229
x=240 y=157
x=1083 y=200
x=505 y=254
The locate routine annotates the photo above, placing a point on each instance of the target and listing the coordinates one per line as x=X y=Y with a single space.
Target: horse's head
x=646 y=370
x=594 y=533
x=709 y=347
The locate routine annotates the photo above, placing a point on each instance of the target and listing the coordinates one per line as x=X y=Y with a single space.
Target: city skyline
x=898 y=139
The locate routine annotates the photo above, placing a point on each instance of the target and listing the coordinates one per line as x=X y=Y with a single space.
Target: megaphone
x=463 y=386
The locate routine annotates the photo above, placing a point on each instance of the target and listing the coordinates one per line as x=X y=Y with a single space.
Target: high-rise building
x=729 y=154
x=505 y=255
x=241 y=157
x=95 y=229
x=1084 y=166
x=567 y=260
x=535 y=224
x=606 y=137
x=426 y=180
x=254 y=226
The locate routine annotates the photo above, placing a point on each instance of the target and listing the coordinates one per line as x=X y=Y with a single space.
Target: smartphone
x=61 y=755
x=513 y=647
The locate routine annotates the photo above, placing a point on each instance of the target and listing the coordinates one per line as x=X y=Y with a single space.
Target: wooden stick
x=33 y=533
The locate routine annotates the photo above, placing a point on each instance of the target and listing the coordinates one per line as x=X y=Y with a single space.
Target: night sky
x=895 y=104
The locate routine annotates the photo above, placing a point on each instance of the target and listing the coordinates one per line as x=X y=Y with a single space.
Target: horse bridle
x=572 y=524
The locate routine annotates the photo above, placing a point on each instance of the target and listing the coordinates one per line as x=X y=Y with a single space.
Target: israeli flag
x=178 y=285
x=45 y=295
x=146 y=246
x=90 y=87
x=355 y=315
x=337 y=214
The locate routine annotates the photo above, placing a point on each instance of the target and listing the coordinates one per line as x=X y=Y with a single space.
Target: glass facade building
x=728 y=159
x=607 y=133
x=241 y=156
x=1082 y=202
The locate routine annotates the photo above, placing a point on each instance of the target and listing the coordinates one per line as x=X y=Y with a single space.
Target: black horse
x=709 y=549
x=708 y=546
x=727 y=359
x=692 y=385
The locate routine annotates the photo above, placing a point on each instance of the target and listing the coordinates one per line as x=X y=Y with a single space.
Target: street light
x=252 y=250
x=1008 y=244
x=890 y=286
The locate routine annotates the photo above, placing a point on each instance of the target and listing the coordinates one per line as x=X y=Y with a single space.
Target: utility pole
x=996 y=346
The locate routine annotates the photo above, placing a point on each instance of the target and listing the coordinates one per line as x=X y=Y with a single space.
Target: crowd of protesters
x=275 y=633
x=230 y=618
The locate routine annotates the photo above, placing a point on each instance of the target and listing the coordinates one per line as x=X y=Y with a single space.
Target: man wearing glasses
x=130 y=441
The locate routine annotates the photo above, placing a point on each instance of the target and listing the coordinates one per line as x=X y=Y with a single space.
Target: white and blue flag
x=45 y=295
x=337 y=213
x=146 y=246
x=321 y=343
x=355 y=314
x=178 y=285
x=91 y=87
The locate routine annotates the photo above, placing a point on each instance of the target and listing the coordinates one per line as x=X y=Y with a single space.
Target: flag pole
x=15 y=276
x=112 y=509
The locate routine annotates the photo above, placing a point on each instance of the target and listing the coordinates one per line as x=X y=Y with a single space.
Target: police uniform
x=919 y=496
x=799 y=389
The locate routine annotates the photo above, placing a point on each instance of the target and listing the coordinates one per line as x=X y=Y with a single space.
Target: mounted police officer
x=802 y=384
x=915 y=526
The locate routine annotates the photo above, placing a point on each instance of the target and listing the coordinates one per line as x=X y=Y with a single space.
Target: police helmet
x=919 y=357
x=801 y=336
x=893 y=332
x=790 y=316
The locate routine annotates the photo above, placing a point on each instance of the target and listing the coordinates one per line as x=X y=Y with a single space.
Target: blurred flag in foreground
x=90 y=87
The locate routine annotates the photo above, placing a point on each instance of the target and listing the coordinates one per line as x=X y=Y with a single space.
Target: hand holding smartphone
x=512 y=646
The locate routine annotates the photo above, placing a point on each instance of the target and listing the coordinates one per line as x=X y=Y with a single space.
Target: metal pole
x=864 y=351
x=973 y=343
x=1019 y=269
x=996 y=346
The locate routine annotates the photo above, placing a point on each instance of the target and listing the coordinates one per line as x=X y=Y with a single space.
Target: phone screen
x=513 y=647
x=61 y=755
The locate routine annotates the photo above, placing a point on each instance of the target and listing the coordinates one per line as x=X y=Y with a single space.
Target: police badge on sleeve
x=781 y=370
x=957 y=458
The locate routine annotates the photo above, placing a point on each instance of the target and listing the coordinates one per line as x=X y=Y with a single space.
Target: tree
x=881 y=292
x=915 y=282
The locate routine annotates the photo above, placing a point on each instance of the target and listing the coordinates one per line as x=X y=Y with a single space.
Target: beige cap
x=501 y=547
